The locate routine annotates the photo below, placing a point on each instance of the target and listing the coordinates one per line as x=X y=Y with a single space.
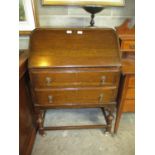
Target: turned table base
x=107 y=113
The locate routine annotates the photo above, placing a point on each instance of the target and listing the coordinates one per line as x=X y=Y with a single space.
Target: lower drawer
x=129 y=106
x=130 y=94
x=73 y=96
x=131 y=82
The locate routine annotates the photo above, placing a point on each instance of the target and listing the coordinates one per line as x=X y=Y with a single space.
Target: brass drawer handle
x=101 y=98
x=48 y=80
x=50 y=98
x=103 y=78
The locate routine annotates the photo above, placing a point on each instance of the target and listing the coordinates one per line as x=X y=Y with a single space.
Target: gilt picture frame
x=85 y=2
x=28 y=19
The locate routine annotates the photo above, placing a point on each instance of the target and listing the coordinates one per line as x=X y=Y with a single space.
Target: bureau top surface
x=89 y=47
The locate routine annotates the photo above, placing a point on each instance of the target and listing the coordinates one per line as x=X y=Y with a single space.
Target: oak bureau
x=74 y=68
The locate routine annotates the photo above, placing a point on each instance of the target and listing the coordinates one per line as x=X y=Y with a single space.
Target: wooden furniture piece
x=74 y=68
x=27 y=129
x=126 y=100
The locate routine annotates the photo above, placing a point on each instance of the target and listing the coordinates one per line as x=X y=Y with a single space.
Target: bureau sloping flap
x=73 y=48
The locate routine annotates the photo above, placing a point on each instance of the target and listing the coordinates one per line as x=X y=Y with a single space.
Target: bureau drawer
x=72 y=96
x=128 y=45
x=69 y=78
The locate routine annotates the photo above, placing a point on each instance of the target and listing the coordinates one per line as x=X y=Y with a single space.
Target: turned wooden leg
x=108 y=114
x=40 y=121
x=109 y=119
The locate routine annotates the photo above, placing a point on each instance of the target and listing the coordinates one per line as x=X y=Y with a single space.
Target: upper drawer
x=55 y=78
x=70 y=96
x=128 y=45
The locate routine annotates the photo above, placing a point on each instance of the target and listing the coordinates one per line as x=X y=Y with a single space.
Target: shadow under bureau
x=74 y=68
